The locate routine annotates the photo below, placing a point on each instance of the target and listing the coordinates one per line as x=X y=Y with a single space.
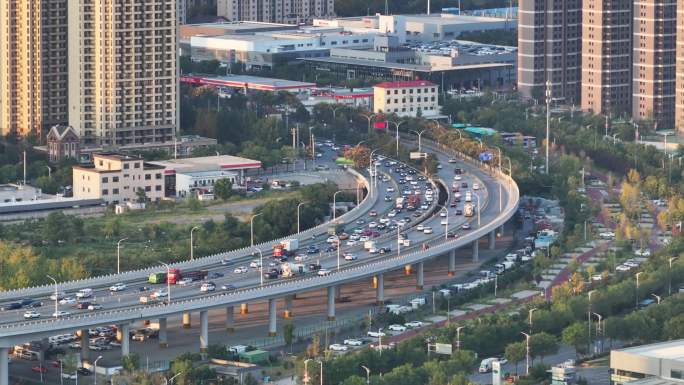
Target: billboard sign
x=417 y=155
x=443 y=348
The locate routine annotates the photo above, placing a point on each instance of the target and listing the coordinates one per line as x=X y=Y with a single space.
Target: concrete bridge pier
x=420 y=276
x=492 y=240
x=204 y=331
x=380 y=293
x=331 y=303
x=452 y=263
x=476 y=250
x=85 y=346
x=287 y=313
x=230 y=319
x=187 y=320
x=272 y=313
x=125 y=329
x=4 y=367
x=163 y=339
x=501 y=231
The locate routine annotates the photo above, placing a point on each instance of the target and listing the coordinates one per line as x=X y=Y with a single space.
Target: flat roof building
x=663 y=359
x=407 y=98
x=281 y=11
x=248 y=83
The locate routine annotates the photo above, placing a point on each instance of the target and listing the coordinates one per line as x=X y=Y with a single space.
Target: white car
x=31 y=314
x=390 y=189
x=427 y=230
x=117 y=287
x=323 y=272
x=349 y=257
x=420 y=227
x=331 y=239
x=597 y=277
x=643 y=252
x=377 y=334
x=351 y=242
x=444 y=222
x=159 y=293
x=240 y=270
x=353 y=342
x=184 y=281
x=255 y=264
x=56 y=296
x=60 y=313
x=442 y=214
x=372 y=225
x=607 y=235
x=392 y=214
x=207 y=286
x=457 y=177
x=414 y=324
x=94 y=306
x=452 y=160
x=338 y=348
x=67 y=301
x=476 y=186
x=623 y=268
x=397 y=328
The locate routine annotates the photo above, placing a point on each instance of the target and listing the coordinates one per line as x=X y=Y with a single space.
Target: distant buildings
x=62 y=143
x=275 y=11
x=662 y=362
x=407 y=98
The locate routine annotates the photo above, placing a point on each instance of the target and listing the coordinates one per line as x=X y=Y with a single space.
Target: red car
x=453 y=204
x=373 y=213
x=56 y=363
x=39 y=369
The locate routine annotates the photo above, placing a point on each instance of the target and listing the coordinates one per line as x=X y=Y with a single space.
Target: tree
x=674 y=328
x=515 y=352
x=288 y=334
x=223 y=188
x=131 y=362
x=576 y=335
x=314 y=348
x=140 y=195
x=354 y=380
x=542 y=344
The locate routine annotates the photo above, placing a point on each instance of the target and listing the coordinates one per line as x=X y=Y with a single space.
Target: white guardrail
x=198 y=263
x=274 y=290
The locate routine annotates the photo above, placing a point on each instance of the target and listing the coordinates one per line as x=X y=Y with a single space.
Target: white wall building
x=190 y=183
x=663 y=359
x=406 y=98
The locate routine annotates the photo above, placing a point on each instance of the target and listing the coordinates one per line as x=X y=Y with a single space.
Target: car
x=159 y=293
x=331 y=239
x=139 y=337
x=597 y=277
x=442 y=214
x=338 y=348
x=458 y=212
x=643 y=252
x=373 y=213
x=39 y=369
x=384 y=250
x=68 y=376
x=623 y=268
x=67 y=301
x=83 y=371
x=397 y=328
x=94 y=306
x=228 y=287
x=607 y=235
x=476 y=186
x=451 y=234
x=215 y=275
x=466 y=226
x=60 y=313
x=457 y=177
x=427 y=230
x=351 y=242
x=184 y=281
x=225 y=262
x=240 y=270
x=631 y=263
x=323 y=272
x=31 y=314
x=11 y=306
x=349 y=257
x=414 y=324
x=452 y=160
x=312 y=250
x=444 y=222
x=208 y=286
x=388 y=198
x=360 y=222
x=117 y=287
x=464 y=184
x=377 y=334
x=83 y=305
x=353 y=342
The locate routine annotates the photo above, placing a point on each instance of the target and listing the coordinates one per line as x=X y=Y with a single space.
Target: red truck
x=175 y=275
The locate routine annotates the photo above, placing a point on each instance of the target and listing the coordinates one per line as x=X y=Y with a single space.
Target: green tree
x=353 y=380
x=542 y=344
x=288 y=334
x=515 y=352
x=223 y=188
x=576 y=335
x=131 y=362
x=674 y=328
x=140 y=195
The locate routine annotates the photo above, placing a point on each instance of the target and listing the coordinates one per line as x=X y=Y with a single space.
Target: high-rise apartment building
x=607 y=56
x=679 y=82
x=653 y=70
x=549 y=45
x=33 y=65
x=123 y=70
x=275 y=11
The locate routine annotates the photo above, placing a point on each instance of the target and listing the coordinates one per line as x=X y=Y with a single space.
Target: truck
x=468 y=210
x=399 y=202
x=176 y=275
x=148 y=299
x=369 y=245
x=285 y=248
x=468 y=196
x=335 y=229
x=291 y=244
x=292 y=269
x=158 y=277
x=413 y=202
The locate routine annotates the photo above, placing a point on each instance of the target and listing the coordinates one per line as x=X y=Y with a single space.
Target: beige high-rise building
x=653 y=60
x=679 y=82
x=275 y=11
x=607 y=56
x=549 y=46
x=123 y=85
x=33 y=65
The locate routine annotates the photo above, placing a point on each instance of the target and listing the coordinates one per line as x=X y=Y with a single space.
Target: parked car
x=338 y=348
x=353 y=342
x=397 y=328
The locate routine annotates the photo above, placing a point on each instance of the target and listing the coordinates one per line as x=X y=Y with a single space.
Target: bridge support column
x=287 y=313
x=230 y=319
x=420 y=276
x=4 y=367
x=380 y=293
x=331 y=303
x=492 y=240
x=204 y=331
x=272 y=314
x=125 y=339
x=187 y=320
x=452 y=263
x=501 y=231
x=476 y=250
x=163 y=339
x=244 y=309
x=85 y=346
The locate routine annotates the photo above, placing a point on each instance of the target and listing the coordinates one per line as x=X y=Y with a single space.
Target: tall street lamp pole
x=298 y=223
x=527 y=353
x=335 y=205
x=669 y=285
x=530 y=316
x=261 y=266
x=477 y=197
x=118 y=255
x=192 y=244
x=367 y=374
x=251 y=229
x=589 y=316
x=458 y=337
x=636 y=298
x=56 y=295
x=396 y=126
x=95 y=369
x=168 y=284
x=419 y=135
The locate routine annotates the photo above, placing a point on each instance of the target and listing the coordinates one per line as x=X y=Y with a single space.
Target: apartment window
x=101 y=163
x=105 y=179
x=148 y=176
x=105 y=192
x=136 y=165
x=148 y=188
x=115 y=191
x=115 y=179
x=157 y=188
x=126 y=166
x=158 y=176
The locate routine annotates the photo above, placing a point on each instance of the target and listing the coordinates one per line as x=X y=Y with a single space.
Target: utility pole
x=548 y=122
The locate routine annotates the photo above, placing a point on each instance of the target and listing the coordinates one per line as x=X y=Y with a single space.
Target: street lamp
x=261 y=266
x=367 y=374
x=56 y=295
x=598 y=330
x=251 y=229
x=192 y=244
x=636 y=302
x=396 y=126
x=510 y=167
x=298 y=207
x=589 y=314
x=669 y=284
x=118 y=255
x=419 y=135
x=530 y=316
x=527 y=353
x=499 y=156
x=166 y=381
x=321 y=363
x=168 y=284
x=477 y=197
x=337 y=240
x=446 y=226
x=370 y=170
x=458 y=337
x=369 y=117
x=335 y=205
x=95 y=369
x=657 y=297
x=49 y=171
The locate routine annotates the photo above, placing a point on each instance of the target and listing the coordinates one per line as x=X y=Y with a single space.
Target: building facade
x=653 y=87
x=123 y=70
x=549 y=47
x=62 y=143
x=663 y=360
x=409 y=98
x=607 y=56
x=117 y=178
x=679 y=70
x=33 y=65
x=275 y=11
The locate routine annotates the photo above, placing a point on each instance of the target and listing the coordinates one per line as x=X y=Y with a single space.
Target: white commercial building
x=201 y=182
x=664 y=360
x=407 y=98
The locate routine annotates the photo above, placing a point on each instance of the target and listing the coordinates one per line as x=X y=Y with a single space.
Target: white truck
x=468 y=196
x=292 y=269
x=291 y=244
x=468 y=210
x=399 y=202
x=369 y=245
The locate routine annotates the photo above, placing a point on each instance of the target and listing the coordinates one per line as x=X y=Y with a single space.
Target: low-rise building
x=117 y=178
x=663 y=359
x=409 y=98
x=62 y=143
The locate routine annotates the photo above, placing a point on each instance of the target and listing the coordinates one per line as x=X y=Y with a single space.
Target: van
x=84 y=293
x=237 y=349
x=445 y=292
x=418 y=302
x=486 y=364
